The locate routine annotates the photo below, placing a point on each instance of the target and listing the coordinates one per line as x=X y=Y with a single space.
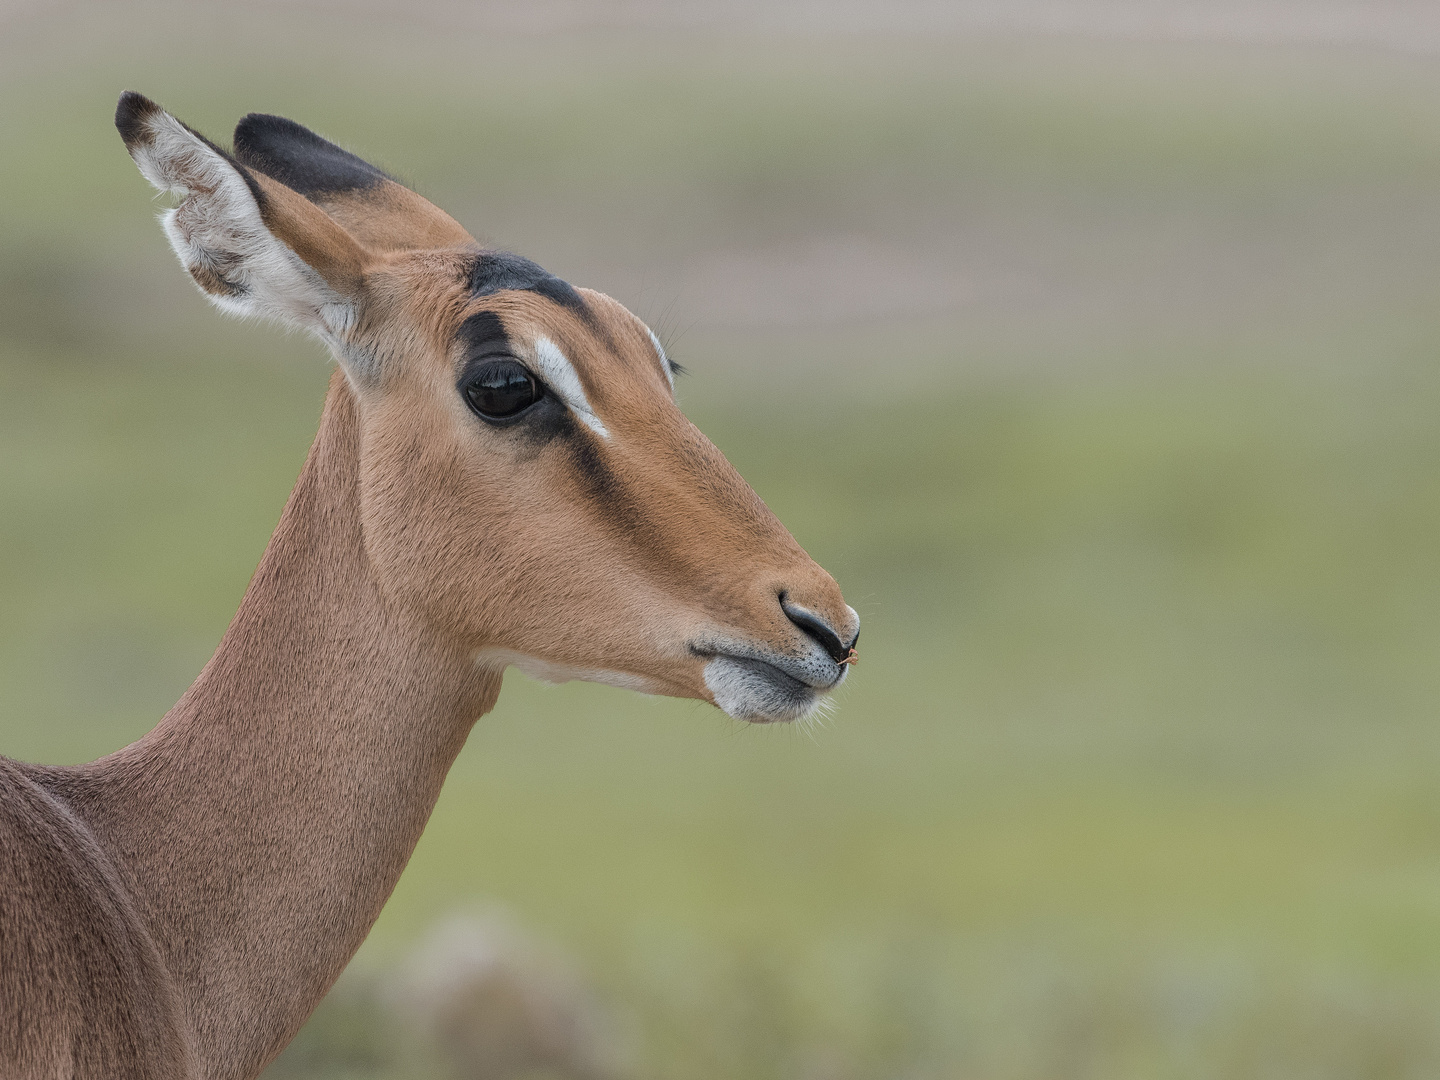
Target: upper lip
x=800 y=668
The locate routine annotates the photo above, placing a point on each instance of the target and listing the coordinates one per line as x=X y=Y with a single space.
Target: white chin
x=755 y=691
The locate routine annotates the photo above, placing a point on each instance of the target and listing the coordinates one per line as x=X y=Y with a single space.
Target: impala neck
x=266 y=819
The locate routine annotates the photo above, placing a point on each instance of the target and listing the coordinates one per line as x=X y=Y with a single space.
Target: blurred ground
x=1093 y=347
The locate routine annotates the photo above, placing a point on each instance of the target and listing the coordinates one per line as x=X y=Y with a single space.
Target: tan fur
x=178 y=908
x=393 y=218
x=321 y=242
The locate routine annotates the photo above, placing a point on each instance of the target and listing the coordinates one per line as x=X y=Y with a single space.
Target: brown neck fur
x=264 y=822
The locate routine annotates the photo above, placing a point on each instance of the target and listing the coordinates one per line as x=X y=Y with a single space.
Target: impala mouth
x=762 y=690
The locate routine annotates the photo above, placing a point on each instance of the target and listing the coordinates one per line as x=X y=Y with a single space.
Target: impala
x=501 y=477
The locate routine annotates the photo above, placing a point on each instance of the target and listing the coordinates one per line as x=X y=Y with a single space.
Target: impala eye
x=499 y=389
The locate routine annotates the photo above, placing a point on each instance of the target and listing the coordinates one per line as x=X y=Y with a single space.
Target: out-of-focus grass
x=1138 y=774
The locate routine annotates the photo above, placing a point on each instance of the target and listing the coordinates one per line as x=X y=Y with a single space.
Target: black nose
x=818 y=629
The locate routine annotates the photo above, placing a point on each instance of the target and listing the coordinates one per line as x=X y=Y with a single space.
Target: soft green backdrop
x=1103 y=374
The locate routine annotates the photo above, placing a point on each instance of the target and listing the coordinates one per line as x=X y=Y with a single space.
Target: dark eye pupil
x=501 y=388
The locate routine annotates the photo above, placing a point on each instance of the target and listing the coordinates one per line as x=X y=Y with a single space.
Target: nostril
x=818 y=629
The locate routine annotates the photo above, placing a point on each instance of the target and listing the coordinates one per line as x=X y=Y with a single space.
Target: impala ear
x=253 y=246
x=381 y=213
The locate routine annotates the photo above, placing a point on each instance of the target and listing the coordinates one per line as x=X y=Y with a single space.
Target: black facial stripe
x=601 y=483
x=493 y=271
x=301 y=160
x=545 y=422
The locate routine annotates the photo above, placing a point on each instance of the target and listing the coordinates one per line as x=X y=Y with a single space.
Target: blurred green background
x=1094 y=348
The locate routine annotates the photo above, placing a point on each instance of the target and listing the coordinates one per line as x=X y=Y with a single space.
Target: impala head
x=527 y=482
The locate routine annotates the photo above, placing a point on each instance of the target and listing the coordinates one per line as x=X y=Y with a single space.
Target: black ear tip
x=131 y=115
x=293 y=154
x=256 y=129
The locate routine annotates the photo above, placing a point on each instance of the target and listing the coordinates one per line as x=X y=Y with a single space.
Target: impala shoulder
x=74 y=954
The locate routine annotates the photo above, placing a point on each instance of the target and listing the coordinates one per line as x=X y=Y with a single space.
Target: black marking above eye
x=496 y=271
x=484 y=334
x=500 y=389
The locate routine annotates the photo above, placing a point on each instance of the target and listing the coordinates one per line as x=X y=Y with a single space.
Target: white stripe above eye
x=556 y=370
x=664 y=360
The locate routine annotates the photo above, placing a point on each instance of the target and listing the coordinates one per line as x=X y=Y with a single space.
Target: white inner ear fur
x=217 y=228
x=560 y=374
x=664 y=360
